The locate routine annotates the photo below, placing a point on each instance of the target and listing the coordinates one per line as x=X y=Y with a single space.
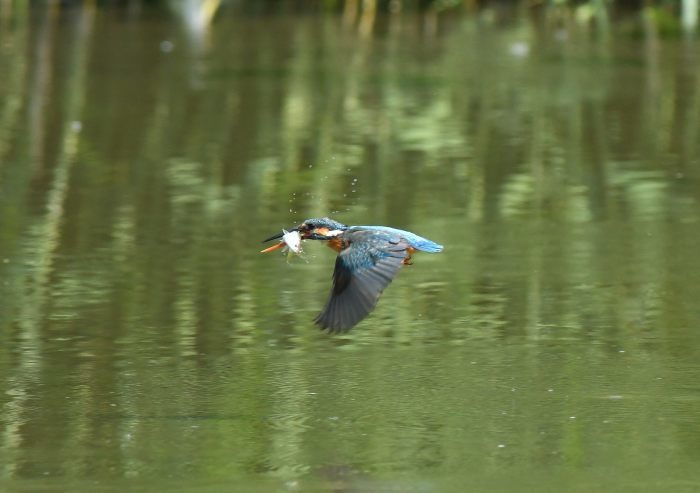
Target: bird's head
x=320 y=228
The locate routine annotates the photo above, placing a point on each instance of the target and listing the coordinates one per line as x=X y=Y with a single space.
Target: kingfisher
x=369 y=257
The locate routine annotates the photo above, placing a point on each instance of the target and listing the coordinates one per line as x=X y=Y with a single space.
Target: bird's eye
x=310 y=226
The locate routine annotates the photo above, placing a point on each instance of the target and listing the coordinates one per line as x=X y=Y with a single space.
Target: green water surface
x=146 y=345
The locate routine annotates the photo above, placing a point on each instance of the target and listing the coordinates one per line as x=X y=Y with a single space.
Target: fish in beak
x=289 y=239
x=280 y=235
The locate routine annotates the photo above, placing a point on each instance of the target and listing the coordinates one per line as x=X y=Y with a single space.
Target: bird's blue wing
x=362 y=271
x=415 y=241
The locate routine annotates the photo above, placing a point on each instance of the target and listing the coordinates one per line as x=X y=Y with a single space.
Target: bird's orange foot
x=407 y=261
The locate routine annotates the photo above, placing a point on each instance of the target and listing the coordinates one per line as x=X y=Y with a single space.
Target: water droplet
x=519 y=49
x=501 y=445
x=166 y=46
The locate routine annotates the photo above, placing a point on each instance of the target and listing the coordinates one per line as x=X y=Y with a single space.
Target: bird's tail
x=429 y=246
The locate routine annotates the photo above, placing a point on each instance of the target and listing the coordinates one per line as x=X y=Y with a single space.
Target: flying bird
x=369 y=257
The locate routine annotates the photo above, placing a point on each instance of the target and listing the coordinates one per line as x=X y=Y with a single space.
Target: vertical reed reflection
x=50 y=156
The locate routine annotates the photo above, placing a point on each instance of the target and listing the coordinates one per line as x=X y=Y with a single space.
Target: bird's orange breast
x=336 y=244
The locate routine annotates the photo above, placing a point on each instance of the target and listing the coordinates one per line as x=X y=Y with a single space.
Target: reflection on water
x=145 y=342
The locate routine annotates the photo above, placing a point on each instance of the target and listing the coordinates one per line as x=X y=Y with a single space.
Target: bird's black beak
x=279 y=235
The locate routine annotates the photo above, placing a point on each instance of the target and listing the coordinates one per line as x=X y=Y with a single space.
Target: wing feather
x=362 y=271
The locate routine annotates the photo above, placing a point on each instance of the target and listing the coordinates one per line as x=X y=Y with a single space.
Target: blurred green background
x=146 y=148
